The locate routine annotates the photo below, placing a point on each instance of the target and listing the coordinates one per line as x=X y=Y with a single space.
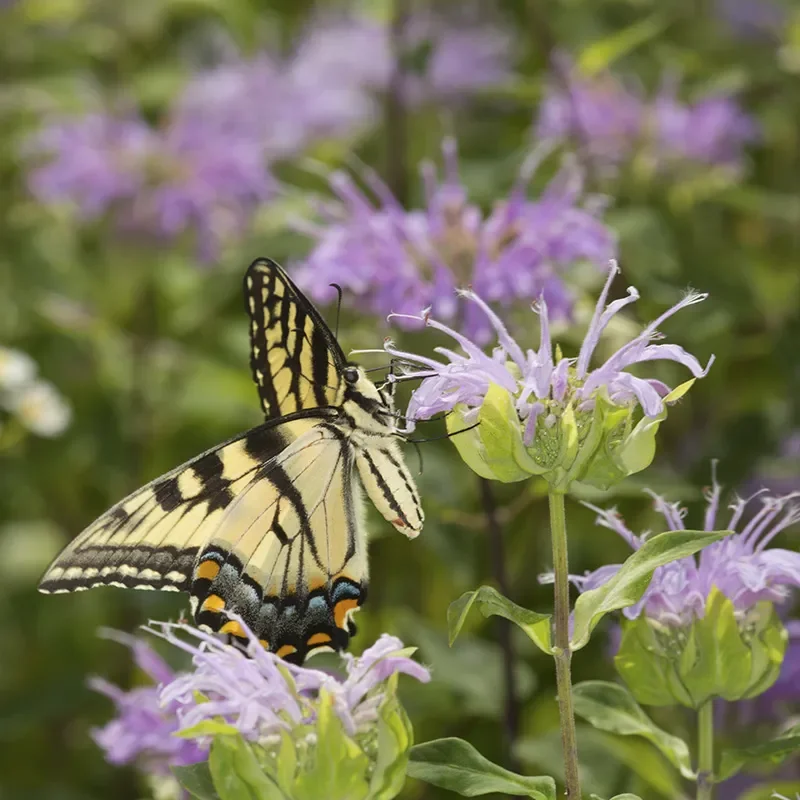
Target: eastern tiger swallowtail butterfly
x=269 y=524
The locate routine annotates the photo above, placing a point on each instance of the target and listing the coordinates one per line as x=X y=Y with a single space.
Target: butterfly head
x=371 y=407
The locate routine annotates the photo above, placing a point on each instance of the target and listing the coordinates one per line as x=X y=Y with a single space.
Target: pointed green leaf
x=286 y=762
x=491 y=603
x=457 y=766
x=722 y=666
x=633 y=578
x=599 y=55
x=395 y=737
x=196 y=779
x=339 y=767
x=610 y=707
x=772 y=791
x=500 y=434
x=652 y=678
x=468 y=443
x=626 y=796
x=772 y=752
x=208 y=727
x=236 y=773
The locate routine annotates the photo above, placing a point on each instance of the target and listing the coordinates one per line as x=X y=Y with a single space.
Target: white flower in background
x=16 y=368
x=36 y=403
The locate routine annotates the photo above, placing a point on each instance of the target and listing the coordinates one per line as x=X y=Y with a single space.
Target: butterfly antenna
x=444 y=436
x=338 y=307
x=419 y=454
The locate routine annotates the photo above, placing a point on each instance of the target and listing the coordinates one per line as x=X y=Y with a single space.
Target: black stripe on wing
x=148 y=540
x=295 y=359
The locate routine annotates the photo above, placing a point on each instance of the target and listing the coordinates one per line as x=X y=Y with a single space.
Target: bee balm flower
x=534 y=412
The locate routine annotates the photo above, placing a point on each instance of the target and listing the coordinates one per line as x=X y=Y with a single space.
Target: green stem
x=561 y=649
x=705 y=758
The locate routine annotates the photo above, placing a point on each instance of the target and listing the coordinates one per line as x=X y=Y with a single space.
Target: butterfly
x=270 y=524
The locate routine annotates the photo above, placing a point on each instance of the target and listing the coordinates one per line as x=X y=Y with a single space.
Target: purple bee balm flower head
x=541 y=383
x=206 y=183
x=711 y=131
x=741 y=565
x=186 y=178
x=93 y=161
x=260 y=694
x=601 y=113
x=143 y=730
x=612 y=123
x=399 y=261
x=753 y=19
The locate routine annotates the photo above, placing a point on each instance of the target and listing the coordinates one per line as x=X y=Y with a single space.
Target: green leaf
x=722 y=664
x=208 y=727
x=721 y=654
x=395 y=737
x=339 y=768
x=456 y=765
x=610 y=707
x=491 y=603
x=772 y=752
x=626 y=796
x=651 y=677
x=196 y=779
x=501 y=436
x=468 y=444
x=772 y=790
x=633 y=578
x=598 y=56
x=236 y=773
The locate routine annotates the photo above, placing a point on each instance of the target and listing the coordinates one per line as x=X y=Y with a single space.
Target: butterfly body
x=269 y=525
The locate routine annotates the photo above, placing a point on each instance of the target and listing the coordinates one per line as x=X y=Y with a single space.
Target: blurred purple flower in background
x=612 y=122
x=184 y=178
x=260 y=694
x=602 y=114
x=752 y=19
x=94 y=161
x=143 y=730
x=205 y=168
x=712 y=130
x=397 y=260
x=740 y=566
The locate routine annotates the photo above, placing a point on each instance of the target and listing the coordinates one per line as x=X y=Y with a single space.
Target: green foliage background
x=151 y=352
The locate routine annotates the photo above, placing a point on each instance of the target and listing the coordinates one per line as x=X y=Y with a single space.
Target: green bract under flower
x=523 y=413
x=722 y=654
x=598 y=447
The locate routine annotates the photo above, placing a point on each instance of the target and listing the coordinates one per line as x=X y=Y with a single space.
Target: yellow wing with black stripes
x=266 y=525
x=269 y=524
x=295 y=359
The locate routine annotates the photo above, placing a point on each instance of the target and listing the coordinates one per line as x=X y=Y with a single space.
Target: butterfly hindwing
x=292 y=563
x=295 y=360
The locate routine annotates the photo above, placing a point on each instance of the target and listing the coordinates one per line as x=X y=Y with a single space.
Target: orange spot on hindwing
x=213 y=603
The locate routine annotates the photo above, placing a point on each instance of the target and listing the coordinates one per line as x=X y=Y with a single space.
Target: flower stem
x=498 y=556
x=561 y=649
x=705 y=758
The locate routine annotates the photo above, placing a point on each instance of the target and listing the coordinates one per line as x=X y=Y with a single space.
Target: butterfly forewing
x=295 y=360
